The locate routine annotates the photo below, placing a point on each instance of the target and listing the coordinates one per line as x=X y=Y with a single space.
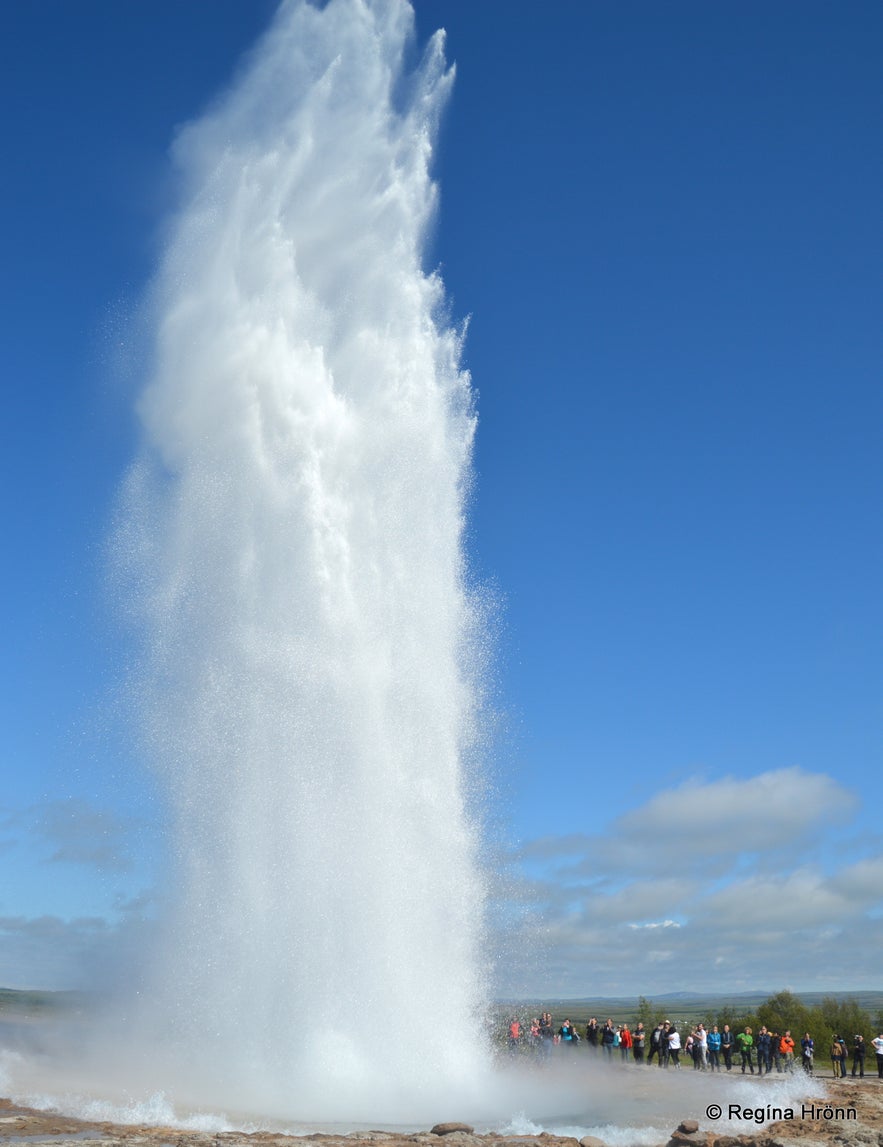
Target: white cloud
x=736 y=815
x=799 y=900
x=703 y=826
x=862 y=882
x=708 y=824
x=640 y=900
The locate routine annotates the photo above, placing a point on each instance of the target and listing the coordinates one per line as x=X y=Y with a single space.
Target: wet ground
x=849 y=1114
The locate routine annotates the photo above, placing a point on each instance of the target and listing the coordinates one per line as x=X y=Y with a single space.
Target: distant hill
x=677 y=1005
x=865 y=999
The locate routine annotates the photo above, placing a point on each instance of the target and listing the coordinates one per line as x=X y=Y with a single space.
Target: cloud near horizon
x=721 y=885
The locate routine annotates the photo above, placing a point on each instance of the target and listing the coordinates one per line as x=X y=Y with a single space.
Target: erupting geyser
x=296 y=523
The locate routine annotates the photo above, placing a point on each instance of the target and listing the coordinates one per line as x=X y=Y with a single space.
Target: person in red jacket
x=625 y=1043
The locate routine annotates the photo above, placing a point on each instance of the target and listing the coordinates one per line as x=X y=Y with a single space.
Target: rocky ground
x=864 y=1097
x=828 y=1125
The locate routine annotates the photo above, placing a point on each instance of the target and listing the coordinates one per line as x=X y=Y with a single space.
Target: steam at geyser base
x=294 y=530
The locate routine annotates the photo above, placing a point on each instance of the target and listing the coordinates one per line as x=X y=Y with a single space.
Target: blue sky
x=664 y=224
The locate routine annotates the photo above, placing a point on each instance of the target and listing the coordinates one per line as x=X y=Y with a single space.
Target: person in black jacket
x=639 y=1038
x=858 y=1056
x=764 y=1052
x=608 y=1035
x=664 y=1049
x=776 y=1052
x=728 y=1043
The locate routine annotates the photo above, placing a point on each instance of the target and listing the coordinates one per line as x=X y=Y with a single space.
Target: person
x=655 y=1044
x=714 y=1049
x=702 y=1036
x=592 y=1034
x=807 y=1049
x=547 y=1034
x=728 y=1046
x=625 y=1043
x=639 y=1038
x=877 y=1044
x=608 y=1035
x=514 y=1035
x=835 y=1056
x=764 y=1051
x=858 y=1056
x=745 y=1040
x=775 y=1051
x=664 y=1044
x=695 y=1049
x=689 y=1048
x=786 y=1048
x=844 y=1055
x=567 y=1033
x=674 y=1046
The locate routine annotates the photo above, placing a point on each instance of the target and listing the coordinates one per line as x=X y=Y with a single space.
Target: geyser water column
x=296 y=523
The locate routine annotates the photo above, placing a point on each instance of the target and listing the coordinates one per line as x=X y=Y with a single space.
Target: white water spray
x=297 y=527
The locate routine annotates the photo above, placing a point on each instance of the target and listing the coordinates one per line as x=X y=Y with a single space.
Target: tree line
x=784 y=1011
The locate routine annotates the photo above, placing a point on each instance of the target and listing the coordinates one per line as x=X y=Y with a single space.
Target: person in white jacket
x=878 y=1048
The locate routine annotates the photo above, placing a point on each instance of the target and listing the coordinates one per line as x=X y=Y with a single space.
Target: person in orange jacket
x=786 y=1049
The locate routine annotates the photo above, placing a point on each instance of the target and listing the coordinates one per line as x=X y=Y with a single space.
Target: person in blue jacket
x=807 y=1051
x=714 y=1049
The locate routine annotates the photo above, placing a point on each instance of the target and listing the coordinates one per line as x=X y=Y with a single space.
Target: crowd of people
x=704 y=1049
